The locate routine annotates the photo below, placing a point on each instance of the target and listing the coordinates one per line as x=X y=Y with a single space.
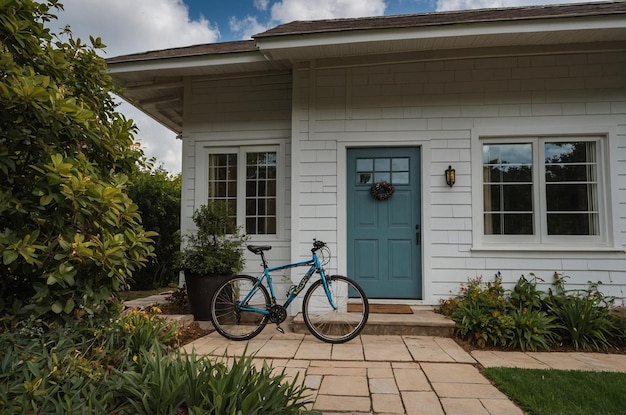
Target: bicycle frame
x=313 y=264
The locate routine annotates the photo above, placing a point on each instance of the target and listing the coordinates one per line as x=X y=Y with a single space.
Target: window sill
x=545 y=248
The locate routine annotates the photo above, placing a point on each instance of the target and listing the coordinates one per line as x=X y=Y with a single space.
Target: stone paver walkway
x=392 y=374
x=374 y=374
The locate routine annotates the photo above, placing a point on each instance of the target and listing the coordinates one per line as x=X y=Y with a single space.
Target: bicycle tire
x=228 y=319
x=335 y=325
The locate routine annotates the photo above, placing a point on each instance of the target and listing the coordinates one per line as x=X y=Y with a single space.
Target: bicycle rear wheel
x=340 y=324
x=229 y=319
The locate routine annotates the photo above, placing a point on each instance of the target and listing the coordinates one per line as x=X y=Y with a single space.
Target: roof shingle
x=446 y=18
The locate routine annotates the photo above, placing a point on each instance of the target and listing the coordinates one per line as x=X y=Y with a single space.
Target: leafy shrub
x=532 y=330
x=525 y=294
x=528 y=319
x=584 y=316
x=70 y=237
x=157 y=194
x=125 y=366
x=51 y=372
x=201 y=386
x=480 y=312
x=134 y=331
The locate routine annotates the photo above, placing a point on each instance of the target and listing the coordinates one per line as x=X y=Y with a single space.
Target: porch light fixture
x=450 y=176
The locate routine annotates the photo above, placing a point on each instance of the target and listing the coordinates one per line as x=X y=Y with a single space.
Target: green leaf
x=57 y=307
x=9 y=256
x=46 y=199
x=69 y=306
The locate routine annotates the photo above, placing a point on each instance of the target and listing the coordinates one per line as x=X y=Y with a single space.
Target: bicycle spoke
x=339 y=324
x=229 y=319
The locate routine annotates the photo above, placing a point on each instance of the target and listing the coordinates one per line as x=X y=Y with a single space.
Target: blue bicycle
x=335 y=308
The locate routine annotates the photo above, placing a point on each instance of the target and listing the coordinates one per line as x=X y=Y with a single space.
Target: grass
x=562 y=392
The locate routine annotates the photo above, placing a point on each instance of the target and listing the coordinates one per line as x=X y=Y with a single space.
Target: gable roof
x=446 y=18
x=189 y=51
x=153 y=80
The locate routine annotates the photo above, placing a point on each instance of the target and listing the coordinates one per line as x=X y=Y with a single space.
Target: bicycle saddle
x=257 y=249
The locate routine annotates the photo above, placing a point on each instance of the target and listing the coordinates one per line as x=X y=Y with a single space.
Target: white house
x=294 y=127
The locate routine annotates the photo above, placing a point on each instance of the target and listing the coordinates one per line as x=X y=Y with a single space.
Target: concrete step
x=420 y=323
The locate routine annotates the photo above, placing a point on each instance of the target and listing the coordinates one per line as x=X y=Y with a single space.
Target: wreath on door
x=381 y=190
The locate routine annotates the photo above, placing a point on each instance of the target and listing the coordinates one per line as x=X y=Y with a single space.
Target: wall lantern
x=450 y=176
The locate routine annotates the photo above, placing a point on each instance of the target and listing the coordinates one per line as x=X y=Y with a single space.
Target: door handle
x=418 y=235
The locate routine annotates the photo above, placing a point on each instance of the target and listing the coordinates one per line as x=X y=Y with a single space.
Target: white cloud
x=447 y=5
x=138 y=26
x=261 y=4
x=288 y=10
x=285 y=11
x=247 y=26
x=155 y=140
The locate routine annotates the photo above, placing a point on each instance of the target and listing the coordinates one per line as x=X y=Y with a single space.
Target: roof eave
x=313 y=45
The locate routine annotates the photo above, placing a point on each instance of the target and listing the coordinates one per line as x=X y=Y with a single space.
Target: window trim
x=201 y=191
x=540 y=239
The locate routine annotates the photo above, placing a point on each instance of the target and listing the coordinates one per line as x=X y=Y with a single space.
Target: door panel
x=384 y=255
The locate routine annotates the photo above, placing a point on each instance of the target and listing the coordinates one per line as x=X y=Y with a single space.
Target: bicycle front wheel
x=342 y=322
x=229 y=315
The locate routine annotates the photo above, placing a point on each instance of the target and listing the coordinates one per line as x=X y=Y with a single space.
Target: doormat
x=382 y=308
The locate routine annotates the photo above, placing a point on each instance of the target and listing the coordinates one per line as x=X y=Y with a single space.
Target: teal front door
x=384 y=229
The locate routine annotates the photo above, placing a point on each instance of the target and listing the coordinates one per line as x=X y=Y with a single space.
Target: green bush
x=481 y=312
x=70 y=237
x=528 y=319
x=157 y=194
x=202 y=386
x=584 y=318
x=532 y=330
x=126 y=366
x=51 y=372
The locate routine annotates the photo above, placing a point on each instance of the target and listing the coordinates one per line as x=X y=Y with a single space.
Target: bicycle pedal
x=280 y=329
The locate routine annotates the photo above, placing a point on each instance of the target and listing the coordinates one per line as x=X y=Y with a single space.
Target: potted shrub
x=211 y=255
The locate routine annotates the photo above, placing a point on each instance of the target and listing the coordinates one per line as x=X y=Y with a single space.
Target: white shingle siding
x=316 y=113
x=251 y=110
x=440 y=105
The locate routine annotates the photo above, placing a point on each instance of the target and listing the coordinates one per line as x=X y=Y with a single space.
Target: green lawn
x=560 y=392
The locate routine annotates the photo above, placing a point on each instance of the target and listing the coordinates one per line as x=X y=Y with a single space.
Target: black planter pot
x=200 y=290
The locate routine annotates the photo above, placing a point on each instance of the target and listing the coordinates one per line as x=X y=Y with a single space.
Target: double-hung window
x=541 y=190
x=246 y=179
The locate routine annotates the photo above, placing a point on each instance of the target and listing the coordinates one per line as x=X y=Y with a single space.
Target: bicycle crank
x=278 y=314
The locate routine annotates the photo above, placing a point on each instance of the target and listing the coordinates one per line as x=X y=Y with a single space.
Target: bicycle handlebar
x=317 y=245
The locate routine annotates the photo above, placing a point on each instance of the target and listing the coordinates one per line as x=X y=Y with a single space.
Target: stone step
x=420 y=323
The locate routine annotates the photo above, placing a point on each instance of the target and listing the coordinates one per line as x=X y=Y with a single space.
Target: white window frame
x=540 y=238
x=201 y=193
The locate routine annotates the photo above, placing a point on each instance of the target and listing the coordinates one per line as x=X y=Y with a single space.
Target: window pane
x=400 y=178
x=400 y=164
x=511 y=154
x=571 y=188
x=382 y=177
x=364 y=178
x=517 y=197
x=508 y=189
x=518 y=224
x=382 y=164
x=271 y=225
x=508 y=224
x=572 y=224
x=222 y=181
x=261 y=192
x=250 y=207
x=365 y=165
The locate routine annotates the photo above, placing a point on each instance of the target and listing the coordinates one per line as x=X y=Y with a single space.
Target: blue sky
x=224 y=13
x=131 y=26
